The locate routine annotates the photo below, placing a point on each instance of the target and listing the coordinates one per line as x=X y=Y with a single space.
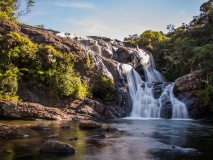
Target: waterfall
x=151 y=73
x=143 y=102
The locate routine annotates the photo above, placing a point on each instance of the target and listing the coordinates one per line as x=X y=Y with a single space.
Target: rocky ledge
x=25 y=110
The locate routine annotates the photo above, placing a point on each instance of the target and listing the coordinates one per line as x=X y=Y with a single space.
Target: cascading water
x=147 y=60
x=143 y=102
x=178 y=108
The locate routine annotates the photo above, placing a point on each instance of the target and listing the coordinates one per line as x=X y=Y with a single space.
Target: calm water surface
x=144 y=139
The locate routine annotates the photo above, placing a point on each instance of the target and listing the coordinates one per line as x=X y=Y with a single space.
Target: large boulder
x=191 y=82
x=53 y=146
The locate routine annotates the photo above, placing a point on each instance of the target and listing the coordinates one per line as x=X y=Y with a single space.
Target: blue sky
x=111 y=18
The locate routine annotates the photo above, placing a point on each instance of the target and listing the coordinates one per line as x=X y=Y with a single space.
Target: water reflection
x=148 y=139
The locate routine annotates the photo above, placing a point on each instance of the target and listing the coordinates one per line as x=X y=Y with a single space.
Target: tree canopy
x=12 y=9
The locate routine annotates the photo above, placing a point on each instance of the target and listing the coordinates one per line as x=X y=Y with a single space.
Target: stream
x=138 y=139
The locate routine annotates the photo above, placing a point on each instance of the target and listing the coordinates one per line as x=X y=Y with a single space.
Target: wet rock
x=40 y=127
x=107 y=128
x=171 y=152
x=73 y=139
x=66 y=127
x=89 y=124
x=102 y=136
x=10 y=132
x=195 y=106
x=57 y=147
x=52 y=135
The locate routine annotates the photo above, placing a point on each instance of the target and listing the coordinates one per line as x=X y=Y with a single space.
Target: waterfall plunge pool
x=142 y=139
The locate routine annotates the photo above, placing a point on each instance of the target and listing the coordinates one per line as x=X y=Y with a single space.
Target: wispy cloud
x=73 y=4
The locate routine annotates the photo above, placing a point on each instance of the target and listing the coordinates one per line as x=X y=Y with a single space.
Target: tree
x=170 y=27
x=26 y=10
x=11 y=9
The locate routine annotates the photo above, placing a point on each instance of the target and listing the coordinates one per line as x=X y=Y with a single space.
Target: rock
x=87 y=109
x=89 y=124
x=25 y=110
x=195 y=106
x=3 y=153
x=66 y=127
x=52 y=135
x=10 y=132
x=52 y=146
x=174 y=152
x=191 y=82
x=40 y=127
x=73 y=139
x=107 y=128
x=102 y=136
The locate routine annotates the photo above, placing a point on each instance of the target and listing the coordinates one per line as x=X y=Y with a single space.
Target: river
x=139 y=139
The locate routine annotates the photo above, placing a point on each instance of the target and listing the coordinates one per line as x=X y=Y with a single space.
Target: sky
x=114 y=19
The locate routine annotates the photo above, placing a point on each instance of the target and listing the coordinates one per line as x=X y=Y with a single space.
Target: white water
x=151 y=73
x=178 y=108
x=143 y=102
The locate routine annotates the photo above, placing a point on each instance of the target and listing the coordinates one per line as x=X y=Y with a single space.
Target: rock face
x=10 y=132
x=88 y=109
x=88 y=61
x=186 y=86
x=191 y=82
x=57 y=147
x=24 y=110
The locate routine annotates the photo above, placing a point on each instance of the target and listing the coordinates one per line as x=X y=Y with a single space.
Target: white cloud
x=73 y=4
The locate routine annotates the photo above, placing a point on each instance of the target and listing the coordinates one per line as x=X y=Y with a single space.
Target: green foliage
x=204 y=56
x=185 y=49
x=207 y=96
x=37 y=75
x=152 y=40
x=7 y=9
x=40 y=26
x=9 y=83
x=11 y=9
x=90 y=63
x=18 y=50
x=67 y=83
x=42 y=64
x=108 y=84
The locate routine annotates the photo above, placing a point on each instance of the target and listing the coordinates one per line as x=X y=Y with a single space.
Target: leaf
x=31 y=70
x=42 y=77
x=40 y=72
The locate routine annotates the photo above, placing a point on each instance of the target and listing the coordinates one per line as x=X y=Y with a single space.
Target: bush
x=67 y=83
x=9 y=84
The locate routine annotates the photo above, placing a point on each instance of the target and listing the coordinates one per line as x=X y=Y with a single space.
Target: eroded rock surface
x=53 y=146
x=10 y=132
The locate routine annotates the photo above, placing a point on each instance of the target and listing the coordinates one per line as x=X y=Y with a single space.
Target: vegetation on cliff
x=22 y=60
x=184 y=49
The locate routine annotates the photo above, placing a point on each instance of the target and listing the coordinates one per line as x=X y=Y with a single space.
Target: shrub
x=9 y=83
x=67 y=83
